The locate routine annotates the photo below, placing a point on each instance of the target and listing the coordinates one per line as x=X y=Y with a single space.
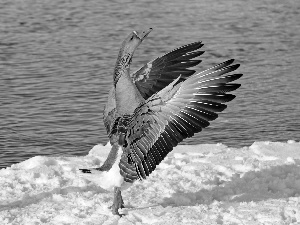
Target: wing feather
x=178 y=111
x=156 y=154
x=163 y=70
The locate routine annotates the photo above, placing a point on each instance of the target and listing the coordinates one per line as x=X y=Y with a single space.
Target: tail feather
x=91 y=170
x=85 y=170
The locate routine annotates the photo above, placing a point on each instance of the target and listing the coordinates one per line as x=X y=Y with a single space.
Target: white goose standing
x=150 y=111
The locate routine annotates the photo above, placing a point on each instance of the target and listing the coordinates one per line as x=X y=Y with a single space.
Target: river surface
x=57 y=59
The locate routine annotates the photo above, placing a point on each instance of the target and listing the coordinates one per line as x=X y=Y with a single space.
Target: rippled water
x=57 y=58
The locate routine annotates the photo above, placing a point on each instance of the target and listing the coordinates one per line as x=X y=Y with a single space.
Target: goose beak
x=142 y=35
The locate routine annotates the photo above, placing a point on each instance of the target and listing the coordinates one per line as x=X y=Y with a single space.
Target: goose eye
x=131 y=38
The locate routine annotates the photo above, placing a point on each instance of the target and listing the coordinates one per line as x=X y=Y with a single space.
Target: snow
x=195 y=184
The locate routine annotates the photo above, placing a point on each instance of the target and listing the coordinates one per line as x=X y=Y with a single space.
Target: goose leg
x=118 y=202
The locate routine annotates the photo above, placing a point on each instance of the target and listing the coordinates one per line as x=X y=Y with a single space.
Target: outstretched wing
x=157 y=74
x=178 y=111
x=160 y=72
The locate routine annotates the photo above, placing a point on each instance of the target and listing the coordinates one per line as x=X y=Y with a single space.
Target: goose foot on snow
x=117 y=203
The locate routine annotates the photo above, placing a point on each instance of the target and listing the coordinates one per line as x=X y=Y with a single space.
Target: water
x=57 y=58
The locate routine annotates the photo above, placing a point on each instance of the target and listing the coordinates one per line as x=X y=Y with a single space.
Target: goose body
x=153 y=109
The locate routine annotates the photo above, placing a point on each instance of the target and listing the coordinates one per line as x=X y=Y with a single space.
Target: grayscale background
x=57 y=59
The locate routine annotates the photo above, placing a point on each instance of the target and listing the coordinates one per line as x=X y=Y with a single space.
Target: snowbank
x=200 y=184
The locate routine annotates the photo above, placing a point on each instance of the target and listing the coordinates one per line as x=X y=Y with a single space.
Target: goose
x=153 y=109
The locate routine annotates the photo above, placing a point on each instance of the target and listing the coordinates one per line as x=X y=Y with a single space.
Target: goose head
x=129 y=45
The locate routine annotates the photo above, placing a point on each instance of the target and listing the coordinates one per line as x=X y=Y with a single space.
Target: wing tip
x=197 y=43
x=230 y=61
x=237 y=76
x=230 y=97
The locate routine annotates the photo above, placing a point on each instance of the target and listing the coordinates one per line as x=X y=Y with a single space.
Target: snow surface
x=200 y=184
